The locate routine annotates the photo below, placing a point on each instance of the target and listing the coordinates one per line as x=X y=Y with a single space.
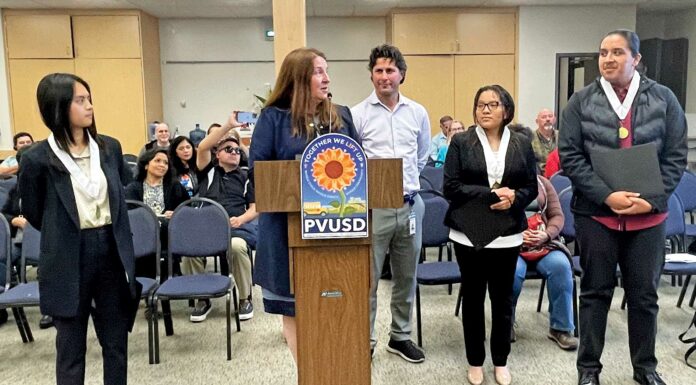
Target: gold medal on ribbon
x=623 y=132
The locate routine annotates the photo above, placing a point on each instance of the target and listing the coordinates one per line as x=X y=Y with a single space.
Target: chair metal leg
x=685 y=287
x=693 y=297
x=460 y=297
x=229 y=327
x=449 y=251
x=27 y=328
x=439 y=253
x=623 y=302
x=150 y=329
x=418 y=316
x=167 y=315
x=575 y=307
x=236 y=309
x=155 y=324
x=20 y=325
x=541 y=295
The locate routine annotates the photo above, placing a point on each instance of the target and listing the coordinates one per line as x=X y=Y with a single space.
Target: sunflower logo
x=334 y=170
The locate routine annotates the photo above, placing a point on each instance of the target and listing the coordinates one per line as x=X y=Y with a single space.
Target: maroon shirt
x=629 y=222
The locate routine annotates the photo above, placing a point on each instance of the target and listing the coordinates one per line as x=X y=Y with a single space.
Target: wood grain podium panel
x=332 y=311
x=277 y=185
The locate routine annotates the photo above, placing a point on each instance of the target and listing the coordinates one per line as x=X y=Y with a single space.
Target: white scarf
x=495 y=162
x=88 y=185
x=621 y=109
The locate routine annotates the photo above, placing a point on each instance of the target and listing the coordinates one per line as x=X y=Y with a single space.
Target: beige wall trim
x=290 y=27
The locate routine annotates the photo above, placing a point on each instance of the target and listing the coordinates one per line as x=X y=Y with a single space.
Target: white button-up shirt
x=403 y=133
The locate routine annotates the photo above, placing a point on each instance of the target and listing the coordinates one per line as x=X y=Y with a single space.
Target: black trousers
x=494 y=269
x=640 y=256
x=104 y=295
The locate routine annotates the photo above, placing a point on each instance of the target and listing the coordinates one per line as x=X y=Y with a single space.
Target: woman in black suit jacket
x=72 y=191
x=490 y=177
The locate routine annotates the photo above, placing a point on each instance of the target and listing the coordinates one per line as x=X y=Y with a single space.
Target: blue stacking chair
x=686 y=191
x=559 y=182
x=146 y=244
x=434 y=175
x=24 y=294
x=199 y=227
x=568 y=235
x=435 y=233
x=674 y=231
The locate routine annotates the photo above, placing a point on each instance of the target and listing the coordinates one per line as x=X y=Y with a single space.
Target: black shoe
x=246 y=310
x=3 y=316
x=201 y=311
x=588 y=377
x=46 y=322
x=407 y=350
x=648 y=379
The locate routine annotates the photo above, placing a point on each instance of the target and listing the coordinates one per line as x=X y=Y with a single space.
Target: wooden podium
x=329 y=277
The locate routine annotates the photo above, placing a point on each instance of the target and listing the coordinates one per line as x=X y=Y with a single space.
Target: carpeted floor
x=196 y=353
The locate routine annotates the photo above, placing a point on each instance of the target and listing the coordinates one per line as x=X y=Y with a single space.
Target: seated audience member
x=455 y=127
x=10 y=165
x=244 y=161
x=13 y=213
x=522 y=129
x=553 y=266
x=155 y=187
x=440 y=140
x=161 y=140
x=182 y=154
x=553 y=164
x=226 y=183
x=544 y=140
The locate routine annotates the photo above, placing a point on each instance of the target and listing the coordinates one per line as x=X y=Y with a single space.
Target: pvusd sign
x=333 y=187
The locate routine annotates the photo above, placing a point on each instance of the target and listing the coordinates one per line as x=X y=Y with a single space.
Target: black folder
x=481 y=224
x=634 y=169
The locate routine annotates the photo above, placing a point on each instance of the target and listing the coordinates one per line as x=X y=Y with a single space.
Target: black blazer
x=466 y=187
x=174 y=193
x=48 y=203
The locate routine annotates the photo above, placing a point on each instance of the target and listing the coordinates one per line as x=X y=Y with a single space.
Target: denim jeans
x=558 y=272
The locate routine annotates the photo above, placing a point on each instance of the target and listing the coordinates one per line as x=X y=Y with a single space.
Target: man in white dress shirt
x=391 y=125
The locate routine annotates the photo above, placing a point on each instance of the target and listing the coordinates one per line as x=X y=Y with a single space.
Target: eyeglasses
x=491 y=106
x=232 y=150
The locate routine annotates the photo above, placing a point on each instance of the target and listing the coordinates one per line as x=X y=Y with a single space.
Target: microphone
x=329 y=95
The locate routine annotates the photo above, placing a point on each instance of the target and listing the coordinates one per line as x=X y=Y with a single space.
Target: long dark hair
x=176 y=163
x=505 y=100
x=55 y=95
x=145 y=159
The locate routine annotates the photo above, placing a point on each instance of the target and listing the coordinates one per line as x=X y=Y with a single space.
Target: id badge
x=412 y=223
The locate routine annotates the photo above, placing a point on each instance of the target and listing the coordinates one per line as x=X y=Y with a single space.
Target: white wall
x=650 y=25
x=682 y=24
x=5 y=129
x=217 y=65
x=547 y=30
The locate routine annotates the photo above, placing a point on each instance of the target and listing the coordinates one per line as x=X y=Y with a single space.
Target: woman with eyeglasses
x=490 y=177
x=72 y=191
x=298 y=110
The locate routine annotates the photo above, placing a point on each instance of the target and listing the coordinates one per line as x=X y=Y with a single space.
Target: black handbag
x=692 y=340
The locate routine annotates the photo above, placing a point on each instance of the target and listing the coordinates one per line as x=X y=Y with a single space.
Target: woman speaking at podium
x=298 y=110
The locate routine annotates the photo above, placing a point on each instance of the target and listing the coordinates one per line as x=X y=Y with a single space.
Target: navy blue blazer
x=48 y=203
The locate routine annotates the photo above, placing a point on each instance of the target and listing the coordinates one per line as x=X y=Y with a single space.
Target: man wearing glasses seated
x=227 y=183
